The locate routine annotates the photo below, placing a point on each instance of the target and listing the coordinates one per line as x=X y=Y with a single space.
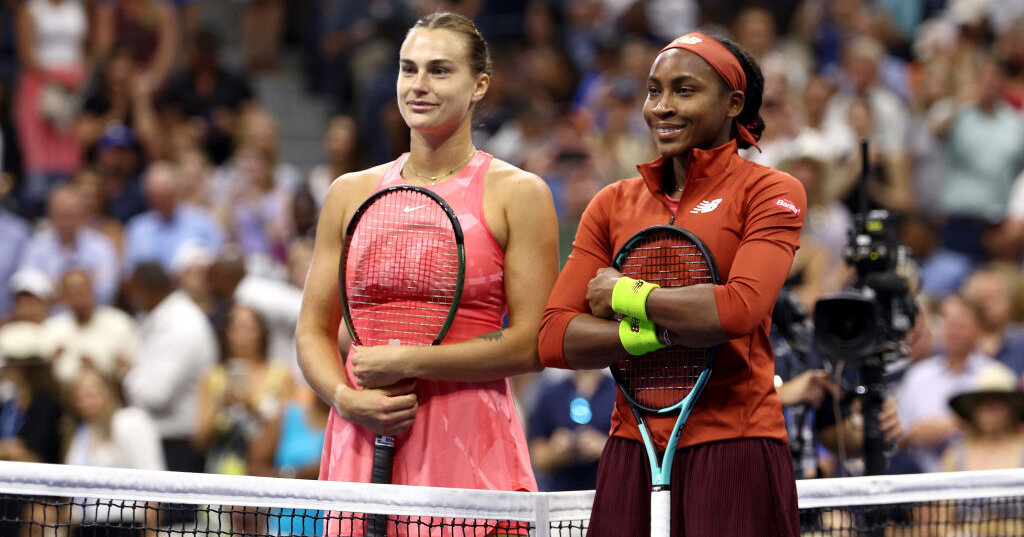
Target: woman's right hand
x=389 y=411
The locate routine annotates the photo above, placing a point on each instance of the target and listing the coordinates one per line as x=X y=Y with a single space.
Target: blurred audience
x=52 y=37
x=169 y=224
x=924 y=392
x=68 y=242
x=991 y=412
x=147 y=28
x=87 y=334
x=176 y=346
x=240 y=395
x=569 y=427
x=341 y=153
x=30 y=398
x=15 y=233
x=107 y=433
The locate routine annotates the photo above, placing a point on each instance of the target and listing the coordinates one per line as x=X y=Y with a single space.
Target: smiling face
x=437 y=87
x=687 y=104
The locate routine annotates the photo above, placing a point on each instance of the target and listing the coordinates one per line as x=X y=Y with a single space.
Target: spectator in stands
x=192 y=267
x=277 y=302
x=118 y=160
x=874 y=112
x=982 y=144
x=107 y=433
x=569 y=427
x=888 y=182
x=256 y=211
x=258 y=128
x=927 y=386
x=87 y=334
x=90 y=184
x=30 y=407
x=624 y=139
x=157 y=234
x=239 y=396
x=148 y=28
x=291 y=449
x=994 y=289
x=176 y=347
x=120 y=96
x=205 y=89
x=67 y=242
x=341 y=150
x=14 y=236
x=52 y=36
x=991 y=411
x=33 y=294
x=110 y=435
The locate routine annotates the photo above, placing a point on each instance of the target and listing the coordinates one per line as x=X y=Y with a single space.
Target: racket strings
x=402 y=265
x=662 y=378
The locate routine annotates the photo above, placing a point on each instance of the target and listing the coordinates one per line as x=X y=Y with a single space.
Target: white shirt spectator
x=176 y=346
x=108 y=336
x=134 y=443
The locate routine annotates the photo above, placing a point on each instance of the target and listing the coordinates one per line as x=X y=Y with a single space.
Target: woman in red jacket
x=732 y=474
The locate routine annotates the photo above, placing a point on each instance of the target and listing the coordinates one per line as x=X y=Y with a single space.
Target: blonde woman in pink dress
x=449 y=406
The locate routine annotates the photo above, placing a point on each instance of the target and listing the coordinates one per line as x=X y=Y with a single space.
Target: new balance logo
x=634 y=326
x=706 y=206
x=689 y=40
x=636 y=286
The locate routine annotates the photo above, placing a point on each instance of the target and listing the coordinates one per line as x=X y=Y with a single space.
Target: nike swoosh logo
x=408 y=209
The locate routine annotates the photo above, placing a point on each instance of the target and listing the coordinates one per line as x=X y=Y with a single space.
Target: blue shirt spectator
x=565 y=429
x=14 y=236
x=68 y=243
x=159 y=233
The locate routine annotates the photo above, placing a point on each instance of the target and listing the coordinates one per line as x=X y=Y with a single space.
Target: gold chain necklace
x=431 y=179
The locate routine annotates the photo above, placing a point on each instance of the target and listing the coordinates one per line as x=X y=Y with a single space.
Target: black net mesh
x=50 y=516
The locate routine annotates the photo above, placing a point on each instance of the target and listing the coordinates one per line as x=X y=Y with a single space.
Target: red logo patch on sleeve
x=788 y=205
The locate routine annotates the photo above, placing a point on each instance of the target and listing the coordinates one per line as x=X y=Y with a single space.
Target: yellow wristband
x=638 y=337
x=629 y=297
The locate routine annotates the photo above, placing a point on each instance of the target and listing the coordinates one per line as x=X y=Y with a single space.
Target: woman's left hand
x=599 y=292
x=376 y=367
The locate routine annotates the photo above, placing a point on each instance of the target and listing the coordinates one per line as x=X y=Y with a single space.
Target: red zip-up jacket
x=750 y=218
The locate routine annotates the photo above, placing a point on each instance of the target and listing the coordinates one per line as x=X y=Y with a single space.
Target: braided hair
x=750 y=116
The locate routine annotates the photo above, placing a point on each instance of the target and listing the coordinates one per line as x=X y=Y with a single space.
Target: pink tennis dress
x=466 y=434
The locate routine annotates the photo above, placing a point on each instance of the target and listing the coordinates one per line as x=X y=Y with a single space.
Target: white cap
x=32 y=281
x=191 y=254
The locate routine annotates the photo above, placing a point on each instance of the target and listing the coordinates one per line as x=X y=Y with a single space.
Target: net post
x=541 y=515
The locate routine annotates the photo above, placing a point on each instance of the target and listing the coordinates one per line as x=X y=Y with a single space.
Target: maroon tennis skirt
x=740 y=488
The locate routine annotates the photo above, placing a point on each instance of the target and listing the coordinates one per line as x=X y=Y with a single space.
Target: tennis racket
x=671 y=379
x=401 y=275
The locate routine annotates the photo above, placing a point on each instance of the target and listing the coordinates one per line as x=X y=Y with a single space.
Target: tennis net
x=58 y=500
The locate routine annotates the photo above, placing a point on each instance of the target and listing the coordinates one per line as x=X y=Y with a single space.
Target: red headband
x=723 y=62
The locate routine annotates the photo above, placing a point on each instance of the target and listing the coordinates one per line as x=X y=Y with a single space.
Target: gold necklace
x=431 y=179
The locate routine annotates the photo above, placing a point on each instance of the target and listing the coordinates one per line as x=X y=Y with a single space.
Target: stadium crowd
x=154 y=239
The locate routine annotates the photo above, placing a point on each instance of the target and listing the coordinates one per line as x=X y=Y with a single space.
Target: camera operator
x=808 y=393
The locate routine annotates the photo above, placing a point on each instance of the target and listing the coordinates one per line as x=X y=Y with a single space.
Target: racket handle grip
x=661 y=512
x=383 y=459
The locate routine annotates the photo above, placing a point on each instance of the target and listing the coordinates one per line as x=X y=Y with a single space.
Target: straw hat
x=995 y=381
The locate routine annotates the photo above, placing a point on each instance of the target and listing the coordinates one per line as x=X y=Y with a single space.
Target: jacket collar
x=702 y=164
